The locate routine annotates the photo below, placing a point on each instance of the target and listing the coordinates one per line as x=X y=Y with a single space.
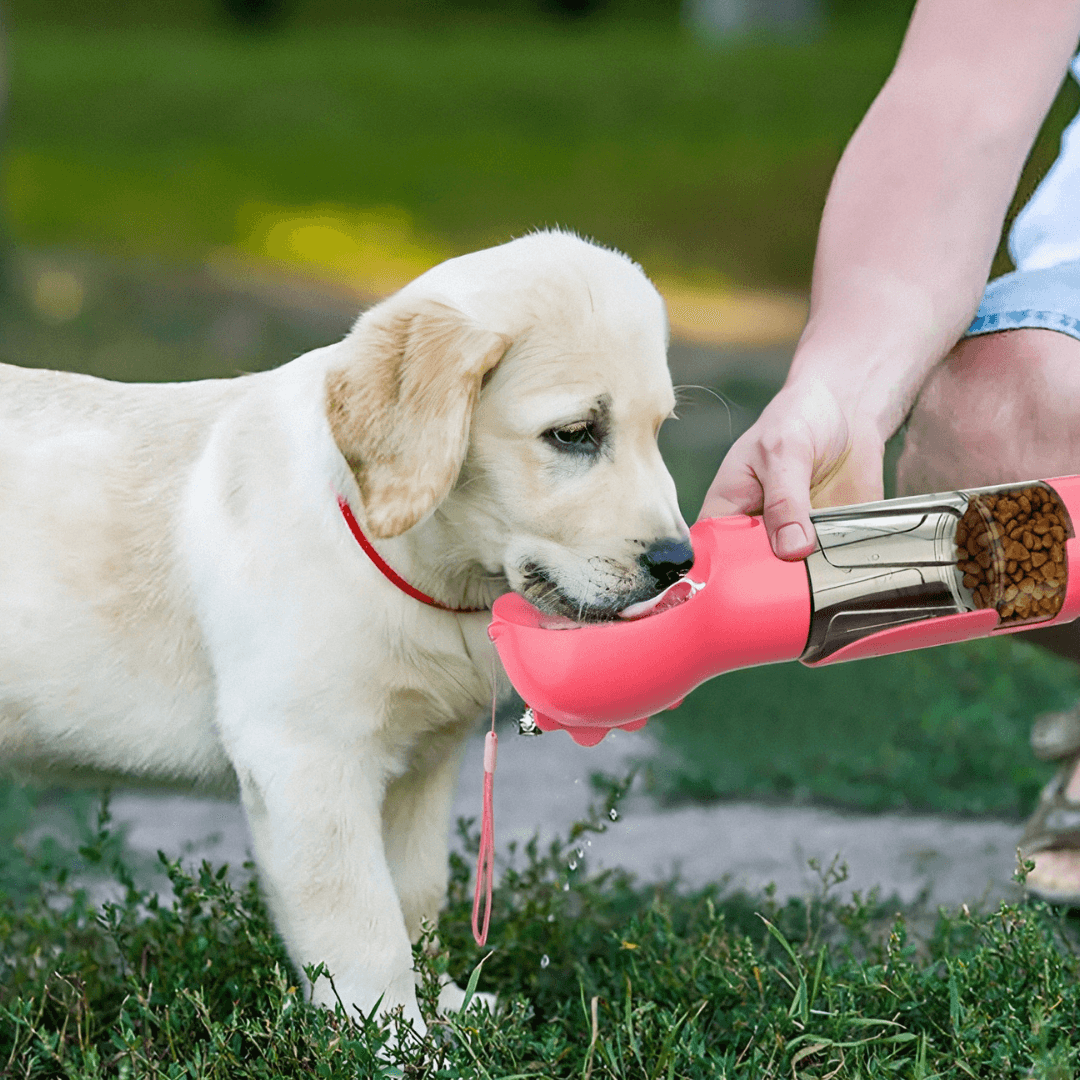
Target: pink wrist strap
x=485 y=859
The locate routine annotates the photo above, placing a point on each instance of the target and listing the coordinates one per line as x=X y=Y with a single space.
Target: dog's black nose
x=667 y=560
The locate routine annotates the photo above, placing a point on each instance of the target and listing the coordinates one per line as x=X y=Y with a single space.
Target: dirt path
x=542 y=785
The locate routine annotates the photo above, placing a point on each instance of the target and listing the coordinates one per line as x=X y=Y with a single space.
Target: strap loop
x=485 y=859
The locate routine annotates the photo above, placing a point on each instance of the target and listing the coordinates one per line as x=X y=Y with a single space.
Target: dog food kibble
x=1011 y=550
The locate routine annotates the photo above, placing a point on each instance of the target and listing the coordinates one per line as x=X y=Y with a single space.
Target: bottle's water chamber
x=889 y=564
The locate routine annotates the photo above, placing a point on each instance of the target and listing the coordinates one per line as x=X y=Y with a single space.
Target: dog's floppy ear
x=400 y=408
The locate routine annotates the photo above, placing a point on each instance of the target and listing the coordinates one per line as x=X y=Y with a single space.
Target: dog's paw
x=452 y=997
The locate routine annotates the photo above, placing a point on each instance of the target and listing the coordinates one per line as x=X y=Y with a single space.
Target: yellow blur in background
x=377 y=250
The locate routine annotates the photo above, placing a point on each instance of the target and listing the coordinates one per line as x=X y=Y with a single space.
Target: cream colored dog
x=181 y=599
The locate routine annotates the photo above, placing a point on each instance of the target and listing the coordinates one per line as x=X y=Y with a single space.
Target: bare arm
x=908 y=233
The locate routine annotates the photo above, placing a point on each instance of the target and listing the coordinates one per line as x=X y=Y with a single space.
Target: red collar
x=386 y=570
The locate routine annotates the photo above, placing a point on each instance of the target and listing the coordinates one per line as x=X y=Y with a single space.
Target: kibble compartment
x=899 y=562
x=1011 y=552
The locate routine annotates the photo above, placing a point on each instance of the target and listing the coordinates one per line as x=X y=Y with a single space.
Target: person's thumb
x=786 y=512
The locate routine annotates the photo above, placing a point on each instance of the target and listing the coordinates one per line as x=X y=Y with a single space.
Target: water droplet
x=613 y=814
x=545 y=960
x=573 y=864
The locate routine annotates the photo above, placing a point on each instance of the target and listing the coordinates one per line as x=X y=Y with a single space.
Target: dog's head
x=516 y=394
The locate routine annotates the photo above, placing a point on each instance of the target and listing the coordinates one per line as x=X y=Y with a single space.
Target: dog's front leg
x=416 y=826
x=315 y=817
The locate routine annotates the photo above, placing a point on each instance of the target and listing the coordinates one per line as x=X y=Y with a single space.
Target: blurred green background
x=157 y=127
x=707 y=161
x=198 y=187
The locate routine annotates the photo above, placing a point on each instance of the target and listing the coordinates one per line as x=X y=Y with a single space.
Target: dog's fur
x=181 y=600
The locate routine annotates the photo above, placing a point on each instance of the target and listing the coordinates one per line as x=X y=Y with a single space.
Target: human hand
x=805 y=449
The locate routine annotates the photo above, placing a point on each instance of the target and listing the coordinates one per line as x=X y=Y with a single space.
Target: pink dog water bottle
x=740 y=606
x=885 y=577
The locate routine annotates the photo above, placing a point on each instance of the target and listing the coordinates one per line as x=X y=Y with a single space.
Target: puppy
x=183 y=600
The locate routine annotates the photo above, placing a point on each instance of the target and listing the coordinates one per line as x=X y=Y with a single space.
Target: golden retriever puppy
x=182 y=598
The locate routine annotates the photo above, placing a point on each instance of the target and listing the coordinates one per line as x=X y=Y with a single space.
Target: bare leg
x=1002 y=407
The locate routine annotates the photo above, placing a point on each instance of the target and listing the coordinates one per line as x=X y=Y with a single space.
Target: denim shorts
x=1044 y=242
x=1046 y=299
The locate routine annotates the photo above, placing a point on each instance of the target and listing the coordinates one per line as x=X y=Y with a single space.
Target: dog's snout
x=668 y=560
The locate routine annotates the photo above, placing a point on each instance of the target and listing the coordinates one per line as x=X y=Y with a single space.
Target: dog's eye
x=579 y=436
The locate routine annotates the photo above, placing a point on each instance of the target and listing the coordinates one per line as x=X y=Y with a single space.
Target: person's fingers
x=734 y=490
x=716 y=506
x=783 y=471
x=800 y=440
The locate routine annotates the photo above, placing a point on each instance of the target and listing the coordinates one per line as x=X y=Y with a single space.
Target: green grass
x=942 y=730
x=715 y=163
x=603 y=979
x=712 y=161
